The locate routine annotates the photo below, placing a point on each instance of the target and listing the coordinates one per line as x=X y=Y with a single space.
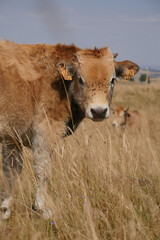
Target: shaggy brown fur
x=38 y=104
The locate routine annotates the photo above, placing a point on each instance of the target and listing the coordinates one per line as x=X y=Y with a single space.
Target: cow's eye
x=81 y=81
x=113 y=81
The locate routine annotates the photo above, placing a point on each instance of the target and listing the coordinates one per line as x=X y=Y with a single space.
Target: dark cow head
x=93 y=74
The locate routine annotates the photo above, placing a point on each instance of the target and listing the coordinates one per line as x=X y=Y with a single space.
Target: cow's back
x=17 y=76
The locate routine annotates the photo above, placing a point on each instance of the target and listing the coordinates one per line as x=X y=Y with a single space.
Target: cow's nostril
x=93 y=111
x=105 y=110
x=98 y=112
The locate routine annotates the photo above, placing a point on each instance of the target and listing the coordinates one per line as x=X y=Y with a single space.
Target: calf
x=124 y=118
x=45 y=92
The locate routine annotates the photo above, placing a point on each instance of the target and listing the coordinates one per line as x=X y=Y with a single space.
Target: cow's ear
x=126 y=69
x=65 y=70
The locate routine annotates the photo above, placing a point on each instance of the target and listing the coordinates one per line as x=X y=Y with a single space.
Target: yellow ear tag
x=129 y=76
x=66 y=74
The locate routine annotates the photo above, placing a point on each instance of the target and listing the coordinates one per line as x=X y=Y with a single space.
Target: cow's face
x=93 y=77
x=121 y=117
x=93 y=84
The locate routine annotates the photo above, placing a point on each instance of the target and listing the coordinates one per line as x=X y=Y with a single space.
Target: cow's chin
x=97 y=119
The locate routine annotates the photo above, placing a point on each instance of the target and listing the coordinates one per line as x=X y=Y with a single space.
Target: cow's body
x=126 y=118
x=38 y=106
x=30 y=86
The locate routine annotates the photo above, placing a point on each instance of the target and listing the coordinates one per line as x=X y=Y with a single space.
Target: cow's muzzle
x=98 y=113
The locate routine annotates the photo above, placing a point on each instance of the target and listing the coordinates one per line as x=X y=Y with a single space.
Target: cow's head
x=93 y=74
x=121 y=117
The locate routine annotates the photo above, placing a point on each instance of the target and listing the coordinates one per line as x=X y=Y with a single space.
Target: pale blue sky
x=129 y=27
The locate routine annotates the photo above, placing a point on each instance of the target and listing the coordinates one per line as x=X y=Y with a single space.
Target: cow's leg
x=12 y=166
x=46 y=134
x=42 y=167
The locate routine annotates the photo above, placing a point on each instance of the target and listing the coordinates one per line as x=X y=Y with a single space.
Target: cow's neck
x=76 y=116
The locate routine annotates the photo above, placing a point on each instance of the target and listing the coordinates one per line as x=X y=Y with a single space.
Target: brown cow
x=45 y=92
x=124 y=118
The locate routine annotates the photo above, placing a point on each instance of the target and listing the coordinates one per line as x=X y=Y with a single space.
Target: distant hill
x=151 y=67
x=153 y=72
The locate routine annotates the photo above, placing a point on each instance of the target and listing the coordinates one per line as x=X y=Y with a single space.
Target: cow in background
x=126 y=118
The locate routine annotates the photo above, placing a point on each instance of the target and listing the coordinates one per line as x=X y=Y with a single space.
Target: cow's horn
x=115 y=55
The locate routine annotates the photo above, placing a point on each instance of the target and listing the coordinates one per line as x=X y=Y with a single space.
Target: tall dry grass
x=103 y=186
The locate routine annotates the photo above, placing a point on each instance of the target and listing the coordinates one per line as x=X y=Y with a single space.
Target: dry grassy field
x=103 y=186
